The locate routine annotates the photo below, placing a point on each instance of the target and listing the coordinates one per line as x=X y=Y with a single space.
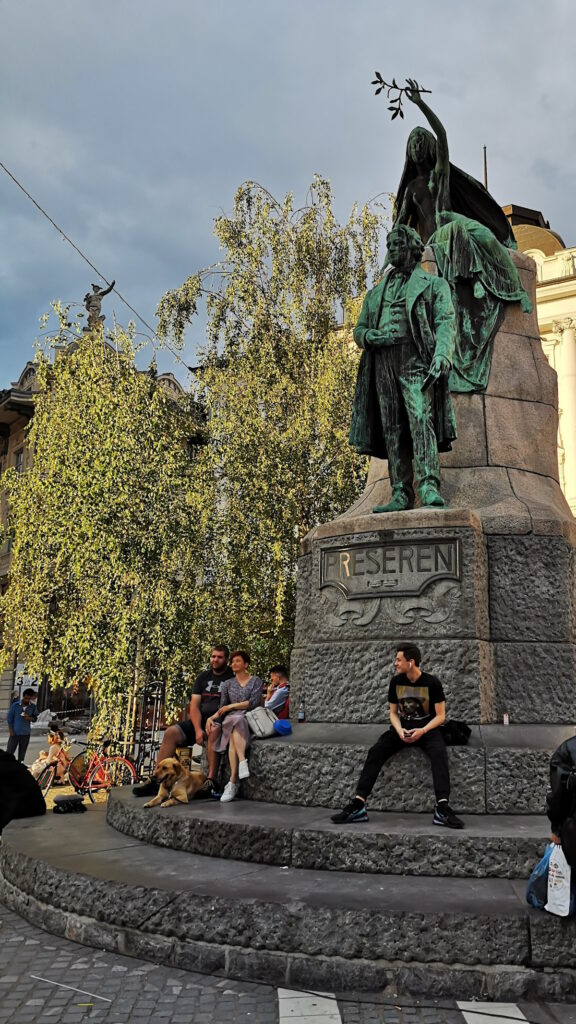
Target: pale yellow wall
x=556 y=310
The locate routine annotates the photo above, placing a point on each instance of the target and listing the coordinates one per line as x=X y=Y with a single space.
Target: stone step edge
x=417 y=823
x=497 y=982
x=488 y=736
x=351 y=847
x=476 y=895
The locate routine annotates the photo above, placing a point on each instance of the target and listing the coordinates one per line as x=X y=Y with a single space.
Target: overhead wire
x=67 y=238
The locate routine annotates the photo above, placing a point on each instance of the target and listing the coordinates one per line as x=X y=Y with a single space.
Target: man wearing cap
x=402 y=407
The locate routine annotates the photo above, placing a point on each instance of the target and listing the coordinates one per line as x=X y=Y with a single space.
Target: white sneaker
x=243 y=770
x=230 y=792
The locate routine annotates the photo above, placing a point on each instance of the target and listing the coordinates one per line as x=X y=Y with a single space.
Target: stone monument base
x=311 y=904
x=485 y=586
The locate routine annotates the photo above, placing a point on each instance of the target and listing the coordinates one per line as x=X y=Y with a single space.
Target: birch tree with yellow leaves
x=104 y=535
x=276 y=378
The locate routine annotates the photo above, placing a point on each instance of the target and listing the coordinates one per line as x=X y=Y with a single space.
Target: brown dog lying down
x=177 y=784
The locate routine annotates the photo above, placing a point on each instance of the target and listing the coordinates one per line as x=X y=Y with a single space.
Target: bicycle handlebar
x=103 y=747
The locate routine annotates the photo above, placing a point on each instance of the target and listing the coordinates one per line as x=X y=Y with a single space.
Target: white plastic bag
x=558 y=884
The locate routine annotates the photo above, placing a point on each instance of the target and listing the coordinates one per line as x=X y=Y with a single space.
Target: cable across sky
x=89 y=262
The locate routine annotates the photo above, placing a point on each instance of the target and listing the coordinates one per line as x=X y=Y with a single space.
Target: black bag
x=69 y=805
x=456 y=734
x=568 y=840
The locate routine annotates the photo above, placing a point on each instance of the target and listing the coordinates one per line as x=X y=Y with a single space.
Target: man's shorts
x=188 y=731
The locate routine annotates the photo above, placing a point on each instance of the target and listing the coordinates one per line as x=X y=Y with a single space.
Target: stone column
x=566 y=368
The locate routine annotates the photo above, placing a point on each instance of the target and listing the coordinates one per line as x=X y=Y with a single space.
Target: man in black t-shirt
x=417 y=709
x=204 y=702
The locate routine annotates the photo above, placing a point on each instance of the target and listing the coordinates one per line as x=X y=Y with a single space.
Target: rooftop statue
x=93 y=304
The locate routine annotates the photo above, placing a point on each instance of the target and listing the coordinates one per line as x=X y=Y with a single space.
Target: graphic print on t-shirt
x=413 y=702
x=208 y=686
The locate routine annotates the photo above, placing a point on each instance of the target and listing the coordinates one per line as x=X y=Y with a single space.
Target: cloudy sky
x=132 y=122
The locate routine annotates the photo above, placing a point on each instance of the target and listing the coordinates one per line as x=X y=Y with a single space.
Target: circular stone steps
x=284 y=925
x=503 y=770
x=304 y=837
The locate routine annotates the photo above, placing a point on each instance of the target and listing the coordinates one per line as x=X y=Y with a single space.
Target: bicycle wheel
x=46 y=778
x=111 y=771
x=77 y=772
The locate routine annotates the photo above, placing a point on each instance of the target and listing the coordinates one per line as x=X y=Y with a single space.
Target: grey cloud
x=134 y=122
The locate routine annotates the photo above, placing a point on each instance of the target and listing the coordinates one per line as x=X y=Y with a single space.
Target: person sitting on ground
x=41 y=762
x=412 y=695
x=20 y=794
x=21 y=714
x=278 y=692
x=56 y=754
x=238 y=695
x=204 y=702
x=561 y=798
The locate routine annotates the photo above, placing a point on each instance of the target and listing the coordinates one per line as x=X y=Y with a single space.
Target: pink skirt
x=235 y=720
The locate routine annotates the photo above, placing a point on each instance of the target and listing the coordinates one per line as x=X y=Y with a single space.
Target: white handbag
x=261 y=722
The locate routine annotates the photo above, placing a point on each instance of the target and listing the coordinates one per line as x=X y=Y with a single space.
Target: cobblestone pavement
x=109 y=989
x=48 y=980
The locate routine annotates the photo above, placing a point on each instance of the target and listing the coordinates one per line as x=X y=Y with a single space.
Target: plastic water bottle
x=301 y=716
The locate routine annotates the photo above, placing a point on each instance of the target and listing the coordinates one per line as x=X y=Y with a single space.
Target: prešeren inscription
x=395 y=567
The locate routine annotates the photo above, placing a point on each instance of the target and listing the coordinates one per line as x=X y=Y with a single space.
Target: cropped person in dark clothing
x=204 y=702
x=417 y=709
x=561 y=798
x=20 y=794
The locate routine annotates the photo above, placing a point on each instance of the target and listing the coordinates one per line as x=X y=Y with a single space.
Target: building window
x=19 y=460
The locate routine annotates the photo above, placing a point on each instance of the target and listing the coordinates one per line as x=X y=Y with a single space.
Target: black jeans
x=18 y=741
x=389 y=743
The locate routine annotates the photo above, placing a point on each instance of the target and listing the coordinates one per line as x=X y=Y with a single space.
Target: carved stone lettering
x=391 y=567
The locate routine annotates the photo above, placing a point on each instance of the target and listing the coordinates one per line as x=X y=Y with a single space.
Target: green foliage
x=276 y=378
x=104 y=534
x=130 y=554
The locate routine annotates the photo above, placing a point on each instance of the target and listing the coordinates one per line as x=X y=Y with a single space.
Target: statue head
x=405 y=247
x=421 y=147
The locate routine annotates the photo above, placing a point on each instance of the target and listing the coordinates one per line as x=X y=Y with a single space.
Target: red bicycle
x=92 y=773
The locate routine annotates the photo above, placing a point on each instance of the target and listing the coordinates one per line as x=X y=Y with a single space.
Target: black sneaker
x=149 y=788
x=353 y=812
x=444 y=816
x=209 y=791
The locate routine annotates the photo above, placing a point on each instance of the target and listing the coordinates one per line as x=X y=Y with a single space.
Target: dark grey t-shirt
x=208 y=685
